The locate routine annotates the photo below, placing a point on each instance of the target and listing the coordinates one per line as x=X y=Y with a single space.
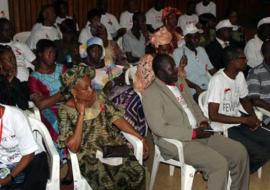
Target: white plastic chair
x=80 y=182
x=224 y=127
x=187 y=171
x=21 y=36
x=120 y=42
x=43 y=138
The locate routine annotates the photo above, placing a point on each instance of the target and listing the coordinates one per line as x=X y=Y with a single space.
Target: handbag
x=115 y=151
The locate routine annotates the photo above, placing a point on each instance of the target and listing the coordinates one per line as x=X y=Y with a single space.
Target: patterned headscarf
x=170 y=10
x=144 y=74
x=161 y=37
x=71 y=76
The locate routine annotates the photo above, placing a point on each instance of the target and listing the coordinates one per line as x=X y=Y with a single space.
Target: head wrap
x=161 y=37
x=71 y=76
x=144 y=74
x=92 y=41
x=170 y=10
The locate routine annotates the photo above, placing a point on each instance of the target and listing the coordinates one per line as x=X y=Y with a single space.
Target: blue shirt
x=197 y=67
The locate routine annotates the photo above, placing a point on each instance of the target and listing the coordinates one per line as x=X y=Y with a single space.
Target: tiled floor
x=166 y=182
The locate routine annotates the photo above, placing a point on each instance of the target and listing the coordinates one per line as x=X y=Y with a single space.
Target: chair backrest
x=201 y=101
x=21 y=36
x=44 y=140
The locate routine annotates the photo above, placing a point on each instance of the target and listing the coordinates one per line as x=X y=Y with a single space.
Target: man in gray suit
x=171 y=113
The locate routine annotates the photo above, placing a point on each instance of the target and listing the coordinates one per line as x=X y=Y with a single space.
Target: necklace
x=1 y=125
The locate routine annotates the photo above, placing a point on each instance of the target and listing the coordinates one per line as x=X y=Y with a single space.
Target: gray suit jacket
x=166 y=117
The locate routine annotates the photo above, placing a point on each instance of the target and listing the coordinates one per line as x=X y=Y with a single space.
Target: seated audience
x=44 y=86
x=170 y=17
x=258 y=82
x=162 y=41
x=90 y=29
x=190 y=17
x=154 y=15
x=95 y=59
x=24 y=56
x=172 y=113
x=110 y=21
x=68 y=46
x=226 y=90
x=46 y=30
x=125 y=96
x=238 y=34
x=15 y=91
x=223 y=39
x=126 y=17
x=198 y=64
x=207 y=22
x=89 y=124
x=135 y=39
x=61 y=10
x=23 y=165
x=206 y=6
x=253 y=47
x=113 y=53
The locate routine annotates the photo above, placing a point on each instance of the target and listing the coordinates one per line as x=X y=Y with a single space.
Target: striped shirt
x=259 y=83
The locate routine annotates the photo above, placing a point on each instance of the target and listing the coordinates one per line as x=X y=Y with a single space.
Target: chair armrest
x=75 y=166
x=137 y=145
x=263 y=111
x=179 y=146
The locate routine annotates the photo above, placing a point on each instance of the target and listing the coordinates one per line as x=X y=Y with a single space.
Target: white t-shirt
x=86 y=34
x=182 y=102
x=185 y=20
x=253 y=52
x=24 y=58
x=154 y=18
x=110 y=22
x=227 y=93
x=210 y=8
x=43 y=32
x=17 y=137
x=126 y=20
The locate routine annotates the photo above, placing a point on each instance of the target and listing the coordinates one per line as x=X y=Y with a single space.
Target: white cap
x=190 y=29
x=224 y=24
x=265 y=20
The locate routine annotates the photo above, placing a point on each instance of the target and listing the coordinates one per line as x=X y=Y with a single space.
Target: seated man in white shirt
x=226 y=90
x=154 y=15
x=93 y=22
x=190 y=17
x=24 y=56
x=126 y=16
x=134 y=40
x=253 y=47
x=206 y=6
x=25 y=165
x=110 y=21
x=45 y=31
x=172 y=113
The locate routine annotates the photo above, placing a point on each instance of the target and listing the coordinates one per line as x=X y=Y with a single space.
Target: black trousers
x=256 y=142
x=36 y=175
